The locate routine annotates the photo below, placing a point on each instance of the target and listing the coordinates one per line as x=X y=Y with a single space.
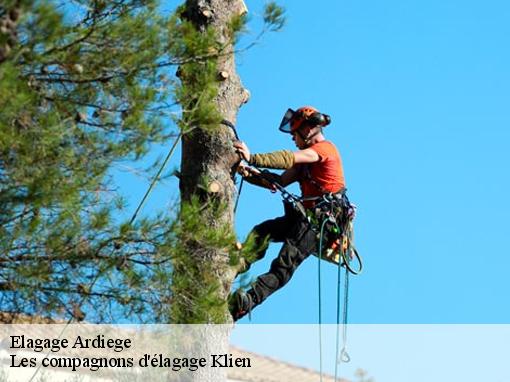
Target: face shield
x=285 y=123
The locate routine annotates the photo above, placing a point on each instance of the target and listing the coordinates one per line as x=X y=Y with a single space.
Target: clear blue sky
x=419 y=97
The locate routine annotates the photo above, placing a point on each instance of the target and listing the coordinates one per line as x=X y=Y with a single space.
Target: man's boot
x=240 y=304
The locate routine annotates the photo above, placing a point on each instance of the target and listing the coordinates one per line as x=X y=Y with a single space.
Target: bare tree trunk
x=210 y=156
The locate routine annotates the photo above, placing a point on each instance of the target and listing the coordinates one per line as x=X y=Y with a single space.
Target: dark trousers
x=299 y=242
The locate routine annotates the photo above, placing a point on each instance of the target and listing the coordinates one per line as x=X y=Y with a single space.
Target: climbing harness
x=337 y=211
x=328 y=208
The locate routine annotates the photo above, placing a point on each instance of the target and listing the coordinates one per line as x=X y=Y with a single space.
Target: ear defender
x=327 y=119
x=319 y=119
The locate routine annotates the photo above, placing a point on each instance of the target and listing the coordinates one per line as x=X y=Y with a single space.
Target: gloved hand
x=242 y=150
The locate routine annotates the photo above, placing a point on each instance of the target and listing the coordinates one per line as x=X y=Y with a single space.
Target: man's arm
x=284 y=159
x=254 y=177
x=266 y=179
x=306 y=156
x=289 y=176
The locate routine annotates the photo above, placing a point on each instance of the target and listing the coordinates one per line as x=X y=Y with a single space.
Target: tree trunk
x=210 y=156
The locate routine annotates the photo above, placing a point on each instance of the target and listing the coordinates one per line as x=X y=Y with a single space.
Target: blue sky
x=418 y=93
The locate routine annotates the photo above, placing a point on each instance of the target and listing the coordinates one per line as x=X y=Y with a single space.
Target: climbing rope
x=323 y=225
x=346 y=252
x=342 y=355
x=238 y=195
x=156 y=178
x=233 y=128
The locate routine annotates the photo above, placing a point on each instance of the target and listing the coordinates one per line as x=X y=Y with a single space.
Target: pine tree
x=81 y=88
x=89 y=84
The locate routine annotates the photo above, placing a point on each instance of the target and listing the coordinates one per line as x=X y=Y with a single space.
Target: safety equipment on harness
x=337 y=214
x=306 y=115
x=282 y=159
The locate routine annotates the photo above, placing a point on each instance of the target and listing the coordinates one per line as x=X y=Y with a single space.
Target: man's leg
x=273 y=230
x=291 y=255
x=300 y=243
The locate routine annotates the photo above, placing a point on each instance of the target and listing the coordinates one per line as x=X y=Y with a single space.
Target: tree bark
x=210 y=155
x=205 y=154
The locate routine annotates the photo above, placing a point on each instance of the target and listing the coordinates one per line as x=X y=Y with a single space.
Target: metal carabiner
x=344 y=356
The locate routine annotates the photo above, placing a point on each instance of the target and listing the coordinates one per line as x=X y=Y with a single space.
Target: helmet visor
x=285 y=123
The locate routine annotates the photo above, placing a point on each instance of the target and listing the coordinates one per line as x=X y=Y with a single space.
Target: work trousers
x=299 y=241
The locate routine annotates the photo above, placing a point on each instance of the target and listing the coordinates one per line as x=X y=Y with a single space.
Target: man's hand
x=242 y=150
x=245 y=170
x=251 y=174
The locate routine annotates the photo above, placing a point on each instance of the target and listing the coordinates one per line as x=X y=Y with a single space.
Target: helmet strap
x=307 y=140
x=298 y=132
x=304 y=139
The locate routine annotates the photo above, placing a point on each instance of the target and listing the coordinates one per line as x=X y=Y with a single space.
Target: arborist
x=317 y=166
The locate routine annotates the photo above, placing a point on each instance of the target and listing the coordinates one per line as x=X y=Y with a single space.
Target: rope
x=338 y=314
x=344 y=356
x=156 y=178
x=340 y=355
x=238 y=194
x=227 y=123
x=321 y=237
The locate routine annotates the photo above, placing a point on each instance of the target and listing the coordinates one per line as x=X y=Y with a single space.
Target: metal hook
x=344 y=356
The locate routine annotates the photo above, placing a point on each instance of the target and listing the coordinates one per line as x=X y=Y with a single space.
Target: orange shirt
x=326 y=175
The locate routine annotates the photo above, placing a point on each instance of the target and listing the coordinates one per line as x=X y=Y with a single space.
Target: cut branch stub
x=214 y=187
x=206 y=13
x=246 y=95
x=223 y=75
x=241 y=8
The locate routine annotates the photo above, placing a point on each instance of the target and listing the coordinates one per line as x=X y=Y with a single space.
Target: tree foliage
x=80 y=91
x=85 y=85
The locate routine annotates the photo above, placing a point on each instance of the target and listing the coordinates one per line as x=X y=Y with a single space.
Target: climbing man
x=317 y=166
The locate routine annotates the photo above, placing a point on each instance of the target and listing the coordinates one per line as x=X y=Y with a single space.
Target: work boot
x=240 y=303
